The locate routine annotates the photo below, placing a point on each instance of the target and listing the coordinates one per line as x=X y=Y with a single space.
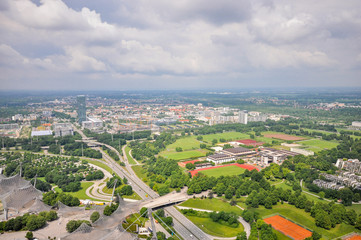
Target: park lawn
x=139 y=171
x=134 y=196
x=304 y=219
x=229 y=136
x=129 y=157
x=317 y=145
x=215 y=229
x=281 y=236
x=81 y=194
x=213 y=204
x=100 y=164
x=356 y=207
x=183 y=155
x=186 y=143
x=224 y=171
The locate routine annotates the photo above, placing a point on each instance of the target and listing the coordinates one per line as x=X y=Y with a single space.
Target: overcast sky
x=184 y=44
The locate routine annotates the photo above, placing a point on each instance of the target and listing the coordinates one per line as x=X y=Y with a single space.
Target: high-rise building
x=81 y=108
x=243 y=116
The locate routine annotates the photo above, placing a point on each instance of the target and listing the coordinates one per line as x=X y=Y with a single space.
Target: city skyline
x=138 y=45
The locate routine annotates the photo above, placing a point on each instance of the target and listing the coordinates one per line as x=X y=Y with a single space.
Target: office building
x=243 y=117
x=81 y=108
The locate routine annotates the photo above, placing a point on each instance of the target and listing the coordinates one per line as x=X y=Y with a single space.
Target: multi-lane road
x=184 y=227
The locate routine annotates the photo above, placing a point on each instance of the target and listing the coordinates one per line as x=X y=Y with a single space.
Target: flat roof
x=41 y=133
x=219 y=156
x=237 y=150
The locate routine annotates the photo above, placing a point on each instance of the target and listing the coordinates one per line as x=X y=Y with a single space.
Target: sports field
x=288 y=228
x=353 y=237
x=283 y=136
x=183 y=155
x=317 y=145
x=224 y=170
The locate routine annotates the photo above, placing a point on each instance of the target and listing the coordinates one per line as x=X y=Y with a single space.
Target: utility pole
x=115 y=183
x=35 y=180
x=112 y=136
x=82 y=150
x=154 y=237
x=119 y=146
x=21 y=168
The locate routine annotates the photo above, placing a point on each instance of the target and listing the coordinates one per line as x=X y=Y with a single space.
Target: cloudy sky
x=184 y=44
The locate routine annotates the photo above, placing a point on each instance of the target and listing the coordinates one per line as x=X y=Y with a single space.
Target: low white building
x=92 y=123
x=220 y=158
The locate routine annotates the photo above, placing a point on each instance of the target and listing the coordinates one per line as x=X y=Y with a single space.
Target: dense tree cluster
x=73 y=225
x=108 y=210
x=98 y=174
x=28 y=221
x=51 y=198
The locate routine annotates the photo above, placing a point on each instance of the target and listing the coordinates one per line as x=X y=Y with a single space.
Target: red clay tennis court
x=245 y=166
x=354 y=237
x=288 y=228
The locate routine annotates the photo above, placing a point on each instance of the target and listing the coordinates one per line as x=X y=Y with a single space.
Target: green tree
x=29 y=236
x=94 y=216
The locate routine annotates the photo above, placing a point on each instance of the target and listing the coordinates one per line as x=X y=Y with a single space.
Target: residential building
x=243 y=117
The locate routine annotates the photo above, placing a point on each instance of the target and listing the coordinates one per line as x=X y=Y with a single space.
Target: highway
x=185 y=228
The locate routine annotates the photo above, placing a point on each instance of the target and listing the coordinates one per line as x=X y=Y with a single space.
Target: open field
x=283 y=136
x=183 y=155
x=317 y=145
x=226 y=135
x=288 y=228
x=213 y=204
x=300 y=216
x=186 y=143
x=130 y=159
x=225 y=170
x=215 y=229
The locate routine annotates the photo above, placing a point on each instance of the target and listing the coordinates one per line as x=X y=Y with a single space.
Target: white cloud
x=165 y=40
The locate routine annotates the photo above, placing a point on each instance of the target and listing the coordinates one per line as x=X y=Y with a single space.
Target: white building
x=92 y=123
x=63 y=129
x=243 y=117
x=220 y=158
x=356 y=124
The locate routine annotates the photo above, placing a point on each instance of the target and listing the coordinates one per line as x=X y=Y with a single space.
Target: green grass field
x=139 y=171
x=215 y=229
x=183 y=155
x=229 y=136
x=129 y=157
x=213 y=204
x=100 y=164
x=81 y=194
x=305 y=219
x=186 y=143
x=224 y=171
x=134 y=196
x=317 y=145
